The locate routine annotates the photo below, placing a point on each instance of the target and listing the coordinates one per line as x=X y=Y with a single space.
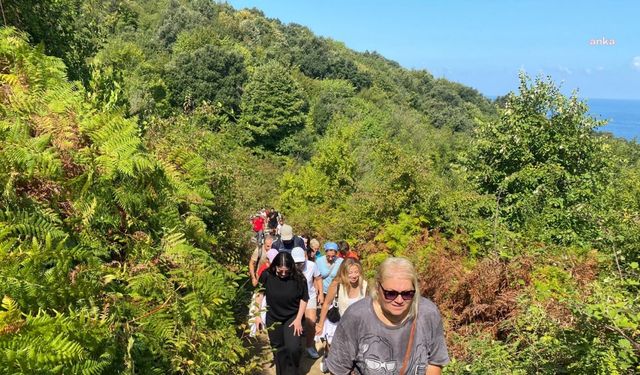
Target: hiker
x=328 y=264
x=265 y=265
x=346 y=252
x=273 y=218
x=260 y=308
x=314 y=284
x=313 y=251
x=285 y=289
x=287 y=240
x=258 y=256
x=257 y=224
x=347 y=288
x=395 y=329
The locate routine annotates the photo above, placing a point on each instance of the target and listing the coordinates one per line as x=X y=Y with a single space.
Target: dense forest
x=137 y=136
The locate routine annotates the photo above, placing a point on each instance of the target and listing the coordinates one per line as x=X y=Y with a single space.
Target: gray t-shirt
x=368 y=346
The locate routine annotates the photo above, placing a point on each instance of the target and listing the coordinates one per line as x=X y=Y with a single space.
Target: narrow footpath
x=308 y=366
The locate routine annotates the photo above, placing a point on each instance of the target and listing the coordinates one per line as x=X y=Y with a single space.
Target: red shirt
x=350 y=254
x=263 y=267
x=258 y=223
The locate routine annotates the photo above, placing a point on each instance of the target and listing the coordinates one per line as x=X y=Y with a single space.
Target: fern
x=94 y=282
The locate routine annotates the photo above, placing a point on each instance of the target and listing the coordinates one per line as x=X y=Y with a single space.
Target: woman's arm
x=297 y=322
x=252 y=266
x=331 y=294
x=318 y=284
x=258 y=319
x=434 y=370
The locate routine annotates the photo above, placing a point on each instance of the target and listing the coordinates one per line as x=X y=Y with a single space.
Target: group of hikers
x=381 y=327
x=266 y=221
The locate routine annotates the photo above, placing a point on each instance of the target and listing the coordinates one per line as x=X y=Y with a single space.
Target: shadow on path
x=308 y=366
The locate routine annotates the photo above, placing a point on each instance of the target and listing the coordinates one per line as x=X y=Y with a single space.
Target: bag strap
x=331 y=267
x=257 y=262
x=407 y=354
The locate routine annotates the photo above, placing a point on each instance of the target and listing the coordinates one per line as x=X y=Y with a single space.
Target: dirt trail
x=308 y=366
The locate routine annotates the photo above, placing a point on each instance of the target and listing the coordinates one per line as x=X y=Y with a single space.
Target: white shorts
x=328 y=329
x=313 y=302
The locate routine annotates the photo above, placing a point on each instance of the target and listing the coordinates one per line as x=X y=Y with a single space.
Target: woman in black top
x=286 y=291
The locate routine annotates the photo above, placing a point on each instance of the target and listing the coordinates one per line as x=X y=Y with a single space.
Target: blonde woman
x=394 y=331
x=349 y=286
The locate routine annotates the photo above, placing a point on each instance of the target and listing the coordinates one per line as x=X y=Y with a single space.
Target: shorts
x=313 y=302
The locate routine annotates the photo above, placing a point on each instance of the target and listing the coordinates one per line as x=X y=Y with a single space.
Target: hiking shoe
x=313 y=353
x=323 y=367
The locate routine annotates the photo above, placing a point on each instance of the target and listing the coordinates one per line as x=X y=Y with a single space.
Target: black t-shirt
x=273 y=219
x=283 y=296
x=287 y=246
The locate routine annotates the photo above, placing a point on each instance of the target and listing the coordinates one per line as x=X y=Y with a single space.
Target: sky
x=591 y=46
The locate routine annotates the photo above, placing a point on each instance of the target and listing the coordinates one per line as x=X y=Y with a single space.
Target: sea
x=623 y=116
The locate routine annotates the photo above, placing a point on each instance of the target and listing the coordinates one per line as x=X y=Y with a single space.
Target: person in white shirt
x=316 y=297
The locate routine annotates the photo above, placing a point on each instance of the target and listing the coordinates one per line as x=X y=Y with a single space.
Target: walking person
x=258 y=257
x=260 y=308
x=394 y=331
x=346 y=252
x=313 y=251
x=328 y=264
x=257 y=223
x=346 y=289
x=287 y=295
x=316 y=297
x=273 y=219
x=287 y=240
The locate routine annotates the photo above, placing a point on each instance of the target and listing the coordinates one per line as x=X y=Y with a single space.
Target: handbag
x=334 y=313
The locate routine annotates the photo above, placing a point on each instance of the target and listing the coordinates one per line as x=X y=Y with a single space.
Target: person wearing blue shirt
x=328 y=264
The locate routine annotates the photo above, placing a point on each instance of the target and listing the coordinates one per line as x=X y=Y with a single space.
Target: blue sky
x=484 y=44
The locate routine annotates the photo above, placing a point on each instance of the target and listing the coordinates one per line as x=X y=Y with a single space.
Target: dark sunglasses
x=282 y=272
x=391 y=295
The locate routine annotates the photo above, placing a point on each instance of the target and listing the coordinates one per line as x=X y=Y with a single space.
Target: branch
x=635 y=344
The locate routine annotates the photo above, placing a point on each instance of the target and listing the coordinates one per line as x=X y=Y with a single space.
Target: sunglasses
x=391 y=295
x=282 y=272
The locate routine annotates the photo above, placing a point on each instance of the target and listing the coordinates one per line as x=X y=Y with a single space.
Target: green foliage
x=176 y=19
x=543 y=162
x=71 y=41
x=496 y=358
x=123 y=219
x=608 y=336
x=211 y=73
x=330 y=100
x=103 y=244
x=273 y=106
x=397 y=236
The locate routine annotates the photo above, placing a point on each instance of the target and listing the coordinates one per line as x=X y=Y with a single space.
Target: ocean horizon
x=623 y=116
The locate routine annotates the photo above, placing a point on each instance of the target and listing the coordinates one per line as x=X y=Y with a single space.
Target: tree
x=273 y=106
x=59 y=26
x=211 y=73
x=543 y=161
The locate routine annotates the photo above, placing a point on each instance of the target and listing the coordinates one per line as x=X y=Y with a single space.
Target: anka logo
x=602 y=42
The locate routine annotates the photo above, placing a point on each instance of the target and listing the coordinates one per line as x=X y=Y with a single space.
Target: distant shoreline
x=623 y=115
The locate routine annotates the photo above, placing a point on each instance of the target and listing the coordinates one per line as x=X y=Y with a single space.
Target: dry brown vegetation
x=481 y=296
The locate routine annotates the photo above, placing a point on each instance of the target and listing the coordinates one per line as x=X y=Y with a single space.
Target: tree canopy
x=137 y=137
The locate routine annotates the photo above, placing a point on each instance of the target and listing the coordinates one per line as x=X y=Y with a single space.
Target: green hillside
x=136 y=138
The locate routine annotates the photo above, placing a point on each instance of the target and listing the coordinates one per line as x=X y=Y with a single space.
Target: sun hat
x=298 y=254
x=286 y=232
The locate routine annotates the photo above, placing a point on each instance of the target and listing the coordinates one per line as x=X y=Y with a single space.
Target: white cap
x=286 y=232
x=298 y=254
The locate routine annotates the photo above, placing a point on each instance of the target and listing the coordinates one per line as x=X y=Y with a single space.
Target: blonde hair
x=397 y=268
x=343 y=274
x=314 y=242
